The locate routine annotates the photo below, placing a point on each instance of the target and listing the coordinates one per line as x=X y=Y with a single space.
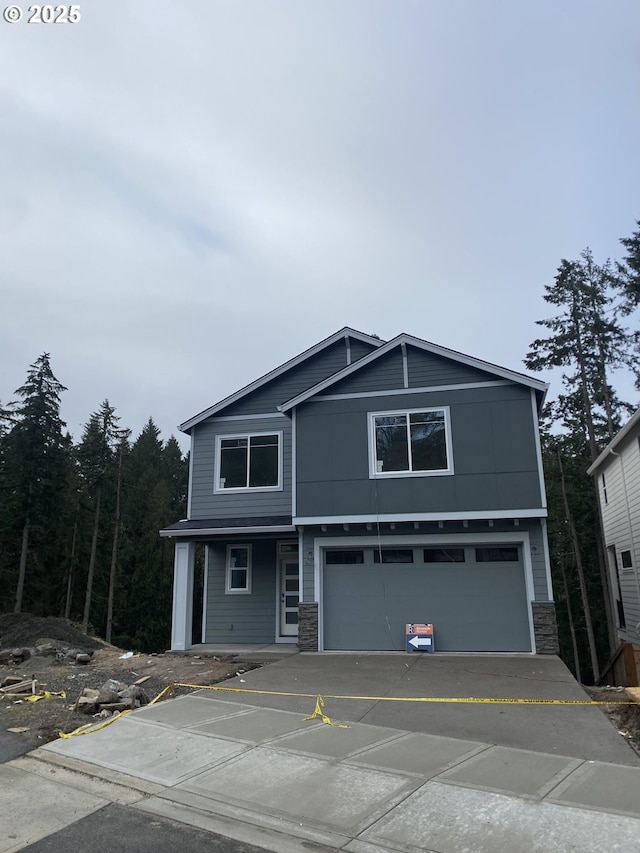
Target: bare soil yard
x=56 y=670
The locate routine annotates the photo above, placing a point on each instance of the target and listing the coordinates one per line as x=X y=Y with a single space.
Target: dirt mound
x=25 y=629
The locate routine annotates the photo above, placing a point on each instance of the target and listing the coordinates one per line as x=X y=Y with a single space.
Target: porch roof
x=223 y=526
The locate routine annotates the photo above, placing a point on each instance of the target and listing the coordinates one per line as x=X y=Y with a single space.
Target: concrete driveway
x=580 y=731
x=401 y=776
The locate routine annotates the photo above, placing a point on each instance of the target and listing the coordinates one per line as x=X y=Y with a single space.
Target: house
x=617 y=471
x=363 y=485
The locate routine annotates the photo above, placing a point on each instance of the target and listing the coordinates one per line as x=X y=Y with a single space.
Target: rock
x=46 y=648
x=136 y=693
x=5 y=656
x=83 y=658
x=115 y=686
x=19 y=655
x=107 y=696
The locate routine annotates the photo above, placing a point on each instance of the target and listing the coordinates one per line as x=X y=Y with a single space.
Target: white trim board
x=278 y=371
x=429 y=389
x=520 y=537
x=538 y=443
x=488 y=515
x=452 y=355
x=226 y=531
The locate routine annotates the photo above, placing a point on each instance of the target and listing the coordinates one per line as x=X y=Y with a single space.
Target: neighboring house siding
x=207 y=504
x=621 y=522
x=494 y=456
x=298 y=379
x=241 y=618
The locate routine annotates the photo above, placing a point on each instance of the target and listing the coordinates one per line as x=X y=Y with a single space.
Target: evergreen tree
x=34 y=459
x=630 y=272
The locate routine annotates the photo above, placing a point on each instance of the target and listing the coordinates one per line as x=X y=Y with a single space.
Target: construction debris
x=112 y=697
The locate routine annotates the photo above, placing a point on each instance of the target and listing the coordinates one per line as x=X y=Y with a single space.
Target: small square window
x=625 y=558
x=444 y=555
x=496 y=555
x=238 y=569
x=339 y=558
x=394 y=555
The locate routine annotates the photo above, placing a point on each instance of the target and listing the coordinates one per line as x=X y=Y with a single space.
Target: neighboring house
x=617 y=471
x=364 y=485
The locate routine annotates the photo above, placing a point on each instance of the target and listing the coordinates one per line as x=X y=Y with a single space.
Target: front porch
x=250 y=652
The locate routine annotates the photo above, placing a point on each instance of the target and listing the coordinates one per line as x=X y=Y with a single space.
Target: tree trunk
x=580 y=569
x=72 y=559
x=92 y=561
x=23 y=566
x=584 y=389
x=572 y=627
x=114 y=553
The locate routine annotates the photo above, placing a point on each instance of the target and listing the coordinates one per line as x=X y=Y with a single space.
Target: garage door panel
x=473 y=607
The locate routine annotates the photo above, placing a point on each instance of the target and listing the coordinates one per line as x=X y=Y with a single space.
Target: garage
x=475 y=596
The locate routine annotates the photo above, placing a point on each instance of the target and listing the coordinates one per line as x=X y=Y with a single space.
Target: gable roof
x=540 y=387
x=345 y=332
x=615 y=441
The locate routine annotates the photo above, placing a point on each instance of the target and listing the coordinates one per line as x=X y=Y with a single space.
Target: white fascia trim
x=461 y=386
x=487 y=367
x=536 y=433
x=405 y=366
x=615 y=441
x=484 y=515
x=278 y=371
x=190 y=486
x=205 y=593
x=520 y=537
x=227 y=531
x=294 y=461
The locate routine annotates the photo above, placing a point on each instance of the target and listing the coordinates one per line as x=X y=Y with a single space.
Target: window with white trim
x=249 y=461
x=238 y=571
x=414 y=442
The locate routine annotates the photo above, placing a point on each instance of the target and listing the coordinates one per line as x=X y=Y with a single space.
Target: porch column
x=182 y=613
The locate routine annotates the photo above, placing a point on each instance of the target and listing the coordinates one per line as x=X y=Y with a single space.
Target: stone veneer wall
x=308 y=626
x=545 y=627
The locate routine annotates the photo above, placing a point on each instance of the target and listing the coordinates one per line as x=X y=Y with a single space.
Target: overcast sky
x=194 y=192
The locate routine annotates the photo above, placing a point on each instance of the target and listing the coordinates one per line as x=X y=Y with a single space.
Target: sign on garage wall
x=419 y=637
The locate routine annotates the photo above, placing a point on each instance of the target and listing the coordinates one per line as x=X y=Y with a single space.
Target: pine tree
x=629 y=270
x=33 y=462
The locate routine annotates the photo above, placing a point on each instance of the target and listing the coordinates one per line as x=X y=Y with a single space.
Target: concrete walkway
x=400 y=776
x=267 y=777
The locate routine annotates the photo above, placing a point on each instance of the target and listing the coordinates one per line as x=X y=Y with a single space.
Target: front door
x=289 y=596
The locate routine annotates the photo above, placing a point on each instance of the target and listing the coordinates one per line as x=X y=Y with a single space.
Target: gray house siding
x=241 y=618
x=298 y=379
x=494 y=456
x=385 y=373
x=207 y=504
x=427 y=369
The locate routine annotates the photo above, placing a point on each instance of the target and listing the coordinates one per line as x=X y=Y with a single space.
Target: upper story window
x=415 y=442
x=249 y=462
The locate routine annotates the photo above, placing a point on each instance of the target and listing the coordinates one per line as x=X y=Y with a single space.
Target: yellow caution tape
x=46 y=694
x=318 y=712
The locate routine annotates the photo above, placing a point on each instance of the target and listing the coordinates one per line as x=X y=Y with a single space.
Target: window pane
x=444 y=555
x=233 y=442
x=335 y=558
x=264 y=441
x=238 y=558
x=394 y=555
x=392 y=452
x=289 y=548
x=233 y=467
x=291 y=584
x=626 y=559
x=263 y=468
x=426 y=417
x=496 y=555
x=428 y=445
x=291 y=618
x=291 y=601
x=238 y=579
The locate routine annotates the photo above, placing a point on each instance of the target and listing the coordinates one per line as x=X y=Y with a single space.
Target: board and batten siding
x=298 y=379
x=207 y=504
x=621 y=522
x=494 y=456
x=531 y=526
x=244 y=618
